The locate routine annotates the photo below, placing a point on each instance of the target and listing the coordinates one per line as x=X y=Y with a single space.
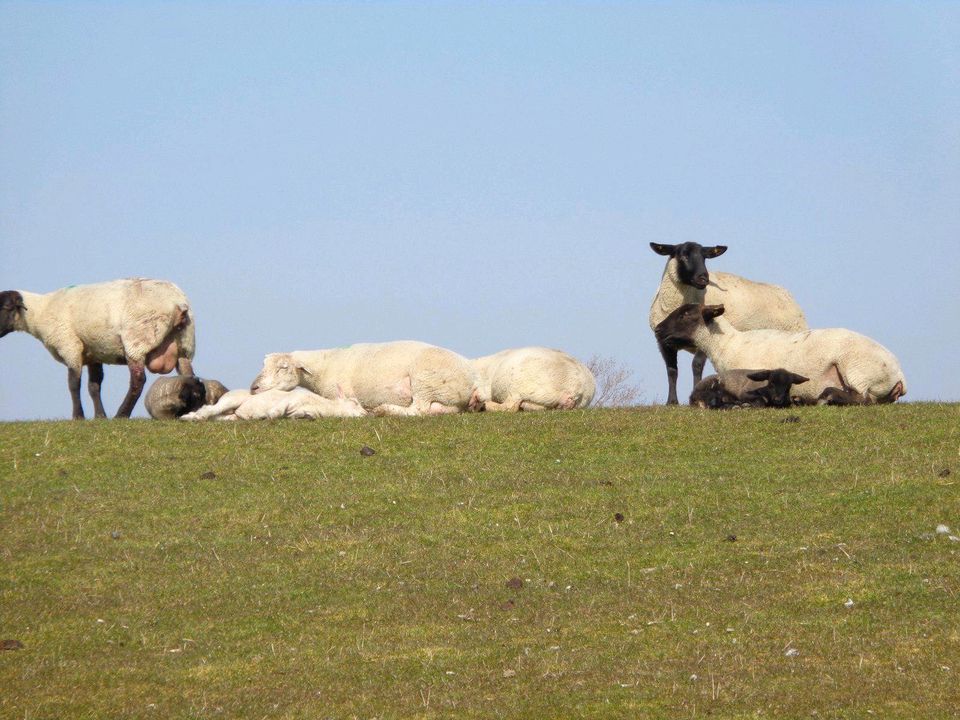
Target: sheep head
x=691 y=260
x=11 y=311
x=280 y=372
x=679 y=327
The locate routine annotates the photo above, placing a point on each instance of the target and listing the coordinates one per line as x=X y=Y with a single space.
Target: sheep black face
x=678 y=328
x=776 y=393
x=691 y=260
x=11 y=309
x=192 y=395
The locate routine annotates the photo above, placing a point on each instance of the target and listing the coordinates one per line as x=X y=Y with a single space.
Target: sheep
x=753 y=305
x=144 y=324
x=736 y=388
x=395 y=378
x=170 y=397
x=272 y=404
x=533 y=378
x=831 y=358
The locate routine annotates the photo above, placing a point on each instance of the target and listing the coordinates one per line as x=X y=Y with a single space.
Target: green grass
x=304 y=580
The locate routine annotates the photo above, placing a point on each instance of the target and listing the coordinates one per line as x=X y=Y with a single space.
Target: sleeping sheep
x=753 y=305
x=143 y=324
x=533 y=378
x=739 y=388
x=394 y=378
x=832 y=358
x=273 y=404
x=170 y=397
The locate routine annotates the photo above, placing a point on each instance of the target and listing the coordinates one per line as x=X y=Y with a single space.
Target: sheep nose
x=702 y=280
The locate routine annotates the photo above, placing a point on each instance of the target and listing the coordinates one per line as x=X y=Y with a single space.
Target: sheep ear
x=302 y=368
x=716 y=250
x=797 y=379
x=760 y=375
x=659 y=249
x=709 y=312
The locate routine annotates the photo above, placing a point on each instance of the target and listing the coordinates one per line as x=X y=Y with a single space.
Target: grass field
x=653 y=562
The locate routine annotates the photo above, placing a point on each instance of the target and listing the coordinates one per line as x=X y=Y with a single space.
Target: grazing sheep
x=736 y=388
x=533 y=378
x=394 y=378
x=143 y=324
x=832 y=358
x=273 y=404
x=170 y=397
x=753 y=305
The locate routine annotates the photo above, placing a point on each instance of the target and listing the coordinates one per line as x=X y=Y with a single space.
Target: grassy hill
x=653 y=562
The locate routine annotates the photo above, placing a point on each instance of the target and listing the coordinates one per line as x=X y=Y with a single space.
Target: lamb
x=737 y=388
x=144 y=324
x=395 y=378
x=272 y=404
x=533 y=378
x=831 y=358
x=171 y=397
x=753 y=305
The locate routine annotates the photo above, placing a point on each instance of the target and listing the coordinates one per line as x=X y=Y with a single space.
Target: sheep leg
x=529 y=405
x=184 y=366
x=138 y=378
x=438 y=408
x=699 y=360
x=491 y=406
x=94 y=379
x=73 y=382
x=670 y=358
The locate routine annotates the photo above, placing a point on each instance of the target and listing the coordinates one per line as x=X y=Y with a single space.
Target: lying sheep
x=394 y=378
x=273 y=404
x=533 y=378
x=832 y=358
x=753 y=305
x=171 y=397
x=738 y=388
x=144 y=324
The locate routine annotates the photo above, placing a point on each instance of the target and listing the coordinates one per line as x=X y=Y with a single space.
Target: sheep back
x=543 y=376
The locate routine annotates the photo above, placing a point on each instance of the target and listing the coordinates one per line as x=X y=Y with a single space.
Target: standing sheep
x=832 y=358
x=394 y=378
x=171 y=397
x=143 y=324
x=753 y=305
x=273 y=404
x=533 y=378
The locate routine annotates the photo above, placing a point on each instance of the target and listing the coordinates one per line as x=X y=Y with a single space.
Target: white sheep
x=143 y=324
x=273 y=404
x=830 y=358
x=395 y=378
x=533 y=378
x=751 y=305
x=170 y=397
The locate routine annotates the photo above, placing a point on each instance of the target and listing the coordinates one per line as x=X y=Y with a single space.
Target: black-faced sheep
x=753 y=305
x=143 y=324
x=831 y=358
x=739 y=388
x=171 y=397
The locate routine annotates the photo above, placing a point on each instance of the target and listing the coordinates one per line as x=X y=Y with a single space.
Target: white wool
x=394 y=378
x=112 y=322
x=749 y=305
x=273 y=404
x=533 y=378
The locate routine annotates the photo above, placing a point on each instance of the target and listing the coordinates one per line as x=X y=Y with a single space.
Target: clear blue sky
x=480 y=176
